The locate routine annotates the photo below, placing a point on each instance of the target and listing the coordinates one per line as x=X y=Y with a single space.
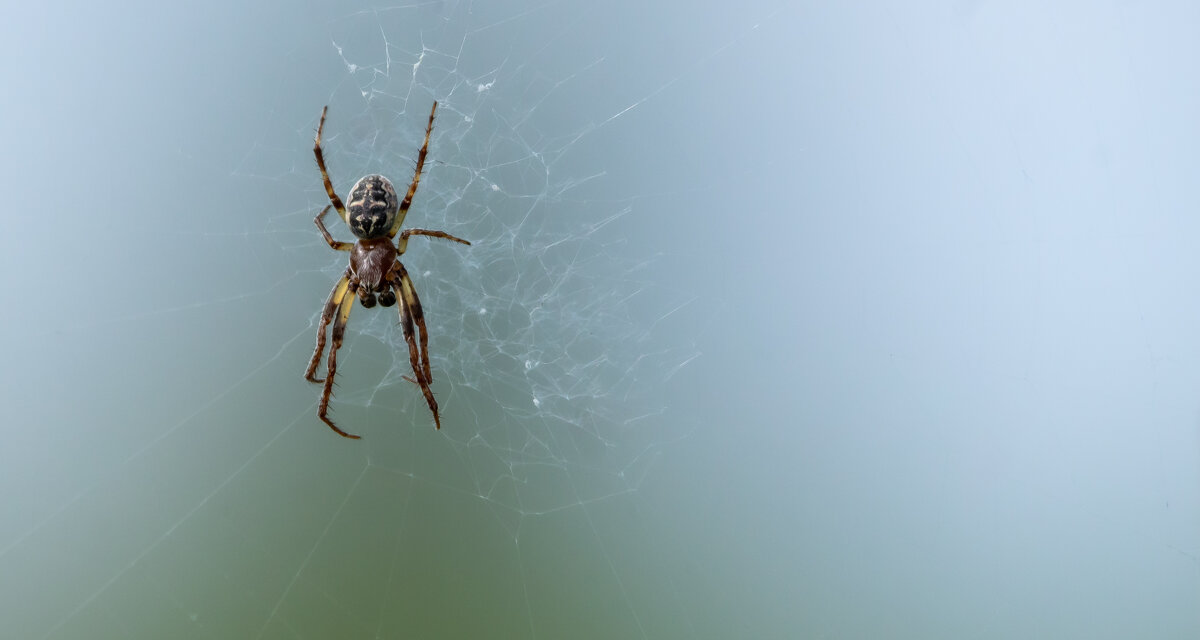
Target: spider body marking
x=374 y=215
x=372 y=207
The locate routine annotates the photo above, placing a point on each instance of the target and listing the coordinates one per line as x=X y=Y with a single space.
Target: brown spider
x=374 y=217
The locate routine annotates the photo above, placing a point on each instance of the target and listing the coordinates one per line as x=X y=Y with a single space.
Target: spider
x=375 y=272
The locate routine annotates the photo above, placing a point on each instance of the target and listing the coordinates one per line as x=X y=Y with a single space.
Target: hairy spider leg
x=338 y=332
x=333 y=244
x=412 y=188
x=402 y=244
x=410 y=311
x=417 y=314
x=333 y=196
x=331 y=304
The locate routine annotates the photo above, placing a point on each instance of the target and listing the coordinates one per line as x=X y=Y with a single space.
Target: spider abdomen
x=372 y=207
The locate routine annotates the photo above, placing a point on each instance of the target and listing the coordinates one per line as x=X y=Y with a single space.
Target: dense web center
x=542 y=331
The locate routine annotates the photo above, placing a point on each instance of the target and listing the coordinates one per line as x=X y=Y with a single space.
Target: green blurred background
x=785 y=320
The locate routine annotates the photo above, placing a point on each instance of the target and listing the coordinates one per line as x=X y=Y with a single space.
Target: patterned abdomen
x=372 y=206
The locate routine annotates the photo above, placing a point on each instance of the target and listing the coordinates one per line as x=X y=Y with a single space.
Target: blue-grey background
x=783 y=320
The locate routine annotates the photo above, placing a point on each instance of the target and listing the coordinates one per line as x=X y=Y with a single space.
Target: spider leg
x=417 y=314
x=331 y=305
x=338 y=332
x=333 y=196
x=402 y=244
x=412 y=188
x=410 y=311
x=333 y=244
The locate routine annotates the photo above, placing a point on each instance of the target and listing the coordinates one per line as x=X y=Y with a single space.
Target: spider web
x=551 y=347
x=543 y=332
x=972 y=420
x=546 y=334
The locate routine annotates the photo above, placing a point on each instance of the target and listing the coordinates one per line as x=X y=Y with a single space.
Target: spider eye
x=368 y=300
x=387 y=298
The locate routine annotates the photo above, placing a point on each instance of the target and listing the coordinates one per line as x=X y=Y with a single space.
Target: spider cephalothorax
x=371 y=262
x=375 y=273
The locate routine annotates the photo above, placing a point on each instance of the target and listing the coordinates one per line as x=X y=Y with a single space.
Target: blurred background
x=786 y=320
